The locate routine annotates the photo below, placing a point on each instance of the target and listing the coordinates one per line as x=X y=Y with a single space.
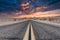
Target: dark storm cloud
x=53 y=7
x=9 y=5
x=24 y=1
x=52 y=4
x=43 y=2
x=13 y=5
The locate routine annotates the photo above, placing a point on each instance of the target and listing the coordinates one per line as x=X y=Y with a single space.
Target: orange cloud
x=24 y=6
x=45 y=7
x=37 y=9
x=38 y=14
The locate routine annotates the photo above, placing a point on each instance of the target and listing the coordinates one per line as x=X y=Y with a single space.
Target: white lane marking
x=32 y=34
x=26 y=36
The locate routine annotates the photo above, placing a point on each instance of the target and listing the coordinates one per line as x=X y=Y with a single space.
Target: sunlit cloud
x=28 y=7
x=25 y=6
x=40 y=14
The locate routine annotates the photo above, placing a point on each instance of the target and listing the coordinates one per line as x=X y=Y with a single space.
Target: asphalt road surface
x=45 y=31
x=41 y=31
x=14 y=31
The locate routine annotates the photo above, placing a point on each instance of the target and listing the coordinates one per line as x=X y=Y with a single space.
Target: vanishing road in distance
x=30 y=30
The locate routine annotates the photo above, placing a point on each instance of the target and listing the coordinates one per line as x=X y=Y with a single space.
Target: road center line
x=32 y=34
x=29 y=34
x=26 y=36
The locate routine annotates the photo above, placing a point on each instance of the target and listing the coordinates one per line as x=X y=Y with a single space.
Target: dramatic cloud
x=15 y=5
x=51 y=4
x=9 y=5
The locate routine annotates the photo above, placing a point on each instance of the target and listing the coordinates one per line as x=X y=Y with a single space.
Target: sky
x=10 y=6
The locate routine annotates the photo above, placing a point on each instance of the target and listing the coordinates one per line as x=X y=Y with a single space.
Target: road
x=13 y=32
x=45 y=31
x=33 y=30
